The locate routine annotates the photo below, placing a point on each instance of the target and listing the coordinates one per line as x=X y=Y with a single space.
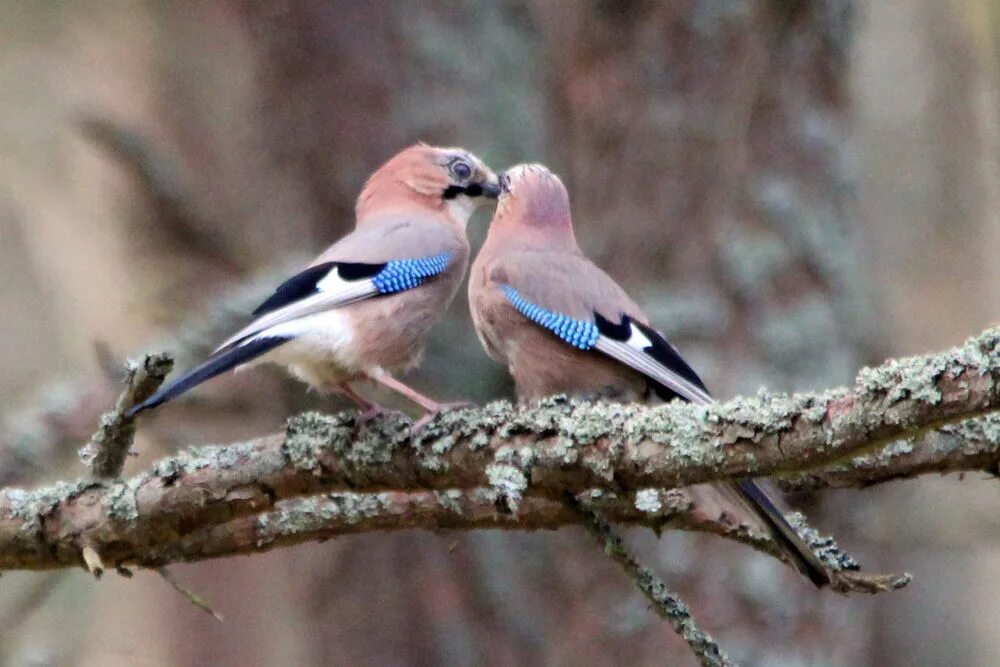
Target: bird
x=561 y=325
x=363 y=309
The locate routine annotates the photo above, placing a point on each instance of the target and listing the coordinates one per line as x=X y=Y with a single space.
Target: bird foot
x=432 y=414
x=372 y=411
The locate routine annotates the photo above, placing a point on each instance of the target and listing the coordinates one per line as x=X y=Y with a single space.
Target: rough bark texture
x=108 y=448
x=552 y=449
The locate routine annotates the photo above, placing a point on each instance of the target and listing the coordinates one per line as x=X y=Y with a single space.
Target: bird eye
x=461 y=170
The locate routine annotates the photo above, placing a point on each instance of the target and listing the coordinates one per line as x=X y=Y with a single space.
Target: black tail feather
x=220 y=362
x=804 y=558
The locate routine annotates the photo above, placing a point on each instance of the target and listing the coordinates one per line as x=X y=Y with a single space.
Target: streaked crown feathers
x=534 y=196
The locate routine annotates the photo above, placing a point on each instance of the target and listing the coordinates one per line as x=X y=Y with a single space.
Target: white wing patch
x=332 y=283
x=632 y=353
x=333 y=291
x=637 y=339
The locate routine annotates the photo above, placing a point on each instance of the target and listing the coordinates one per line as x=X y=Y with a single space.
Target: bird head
x=533 y=203
x=451 y=180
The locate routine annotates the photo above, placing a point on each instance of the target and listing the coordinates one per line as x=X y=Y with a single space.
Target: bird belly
x=542 y=365
x=323 y=351
x=392 y=330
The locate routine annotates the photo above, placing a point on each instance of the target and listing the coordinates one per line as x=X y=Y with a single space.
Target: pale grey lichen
x=648 y=501
x=564 y=450
x=903 y=379
x=122 y=504
x=37 y=504
x=196 y=458
x=479 y=441
x=508 y=484
x=306 y=434
x=824 y=546
x=305 y=515
x=450 y=499
x=443 y=445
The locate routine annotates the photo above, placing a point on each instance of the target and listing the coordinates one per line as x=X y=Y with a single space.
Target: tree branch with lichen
x=108 y=448
x=507 y=466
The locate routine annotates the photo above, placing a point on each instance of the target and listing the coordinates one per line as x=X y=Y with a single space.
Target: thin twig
x=109 y=446
x=189 y=595
x=666 y=603
x=92 y=560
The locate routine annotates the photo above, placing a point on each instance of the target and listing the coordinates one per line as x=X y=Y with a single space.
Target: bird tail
x=220 y=362
x=801 y=555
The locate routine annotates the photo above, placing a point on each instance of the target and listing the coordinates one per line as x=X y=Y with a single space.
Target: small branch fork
x=109 y=447
x=666 y=603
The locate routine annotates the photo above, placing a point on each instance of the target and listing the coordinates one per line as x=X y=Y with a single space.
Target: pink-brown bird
x=563 y=326
x=363 y=309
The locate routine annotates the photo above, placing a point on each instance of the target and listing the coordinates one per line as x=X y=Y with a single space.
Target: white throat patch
x=461 y=208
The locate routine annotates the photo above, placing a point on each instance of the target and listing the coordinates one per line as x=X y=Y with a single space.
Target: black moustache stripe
x=471 y=190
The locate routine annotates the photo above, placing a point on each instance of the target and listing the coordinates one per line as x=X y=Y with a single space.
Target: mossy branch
x=508 y=466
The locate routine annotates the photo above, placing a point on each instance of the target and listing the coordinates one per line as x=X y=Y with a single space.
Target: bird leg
x=369 y=409
x=432 y=407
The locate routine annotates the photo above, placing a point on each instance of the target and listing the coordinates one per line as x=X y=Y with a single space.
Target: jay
x=563 y=326
x=363 y=308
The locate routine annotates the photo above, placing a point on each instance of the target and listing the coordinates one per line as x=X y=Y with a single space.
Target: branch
x=517 y=456
x=314 y=518
x=189 y=595
x=317 y=518
x=666 y=603
x=108 y=448
x=970 y=445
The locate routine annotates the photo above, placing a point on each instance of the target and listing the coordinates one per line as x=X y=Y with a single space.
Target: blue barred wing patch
x=581 y=334
x=403 y=274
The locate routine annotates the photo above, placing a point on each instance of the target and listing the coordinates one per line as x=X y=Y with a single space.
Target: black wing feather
x=660 y=350
x=220 y=362
x=664 y=352
x=805 y=560
x=297 y=287
x=306 y=283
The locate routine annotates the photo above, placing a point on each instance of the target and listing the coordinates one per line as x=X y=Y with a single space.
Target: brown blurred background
x=793 y=189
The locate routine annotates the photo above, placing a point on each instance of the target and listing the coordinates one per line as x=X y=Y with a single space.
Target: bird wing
x=372 y=261
x=579 y=303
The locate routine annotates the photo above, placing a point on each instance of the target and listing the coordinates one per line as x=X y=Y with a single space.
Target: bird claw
x=372 y=412
x=432 y=414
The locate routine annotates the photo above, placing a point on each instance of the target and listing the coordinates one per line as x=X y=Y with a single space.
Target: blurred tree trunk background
x=708 y=150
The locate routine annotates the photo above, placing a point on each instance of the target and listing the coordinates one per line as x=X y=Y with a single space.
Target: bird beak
x=491 y=189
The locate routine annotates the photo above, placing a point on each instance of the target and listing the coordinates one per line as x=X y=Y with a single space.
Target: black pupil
x=462 y=170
